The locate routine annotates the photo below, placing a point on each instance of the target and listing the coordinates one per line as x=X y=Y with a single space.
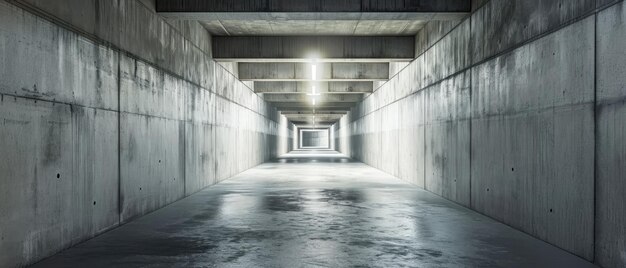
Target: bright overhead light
x=313 y=77
x=313 y=91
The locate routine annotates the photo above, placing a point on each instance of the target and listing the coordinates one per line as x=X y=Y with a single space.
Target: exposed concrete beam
x=322 y=98
x=310 y=120
x=286 y=113
x=290 y=71
x=316 y=118
x=305 y=109
x=283 y=106
x=314 y=23
x=314 y=16
x=304 y=48
x=322 y=117
x=266 y=6
x=310 y=125
x=318 y=124
x=357 y=87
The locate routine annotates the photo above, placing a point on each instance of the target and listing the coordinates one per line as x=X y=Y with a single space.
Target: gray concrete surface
x=292 y=71
x=287 y=78
x=304 y=48
x=399 y=23
x=96 y=130
x=309 y=110
x=356 y=18
x=322 y=105
x=514 y=112
x=314 y=209
x=355 y=87
x=611 y=137
x=109 y=111
x=309 y=124
x=318 y=115
x=306 y=99
x=314 y=6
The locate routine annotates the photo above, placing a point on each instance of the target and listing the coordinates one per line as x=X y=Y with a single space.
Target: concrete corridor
x=314 y=209
x=312 y=133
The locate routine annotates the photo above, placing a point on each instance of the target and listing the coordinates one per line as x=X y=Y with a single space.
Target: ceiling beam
x=321 y=99
x=283 y=106
x=313 y=112
x=291 y=71
x=317 y=125
x=267 y=6
x=321 y=117
x=305 y=48
x=357 y=87
x=305 y=121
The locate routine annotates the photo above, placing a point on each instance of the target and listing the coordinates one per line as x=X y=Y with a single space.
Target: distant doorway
x=314 y=138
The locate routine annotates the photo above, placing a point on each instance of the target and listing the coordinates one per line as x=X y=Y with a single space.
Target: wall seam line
x=119 y=139
x=471 y=86
x=595 y=135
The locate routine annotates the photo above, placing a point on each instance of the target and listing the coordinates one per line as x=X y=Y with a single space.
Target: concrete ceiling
x=270 y=43
x=313 y=17
x=313 y=27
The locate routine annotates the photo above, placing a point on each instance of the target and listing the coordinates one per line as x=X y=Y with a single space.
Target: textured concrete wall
x=516 y=112
x=611 y=137
x=101 y=123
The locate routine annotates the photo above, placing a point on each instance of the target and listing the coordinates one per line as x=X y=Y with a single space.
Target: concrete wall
x=110 y=113
x=517 y=112
x=611 y=137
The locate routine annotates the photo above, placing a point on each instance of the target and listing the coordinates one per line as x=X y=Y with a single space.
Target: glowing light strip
x=313 y=88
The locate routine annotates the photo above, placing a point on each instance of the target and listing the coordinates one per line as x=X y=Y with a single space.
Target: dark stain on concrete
x=236 y=256
x=157 y=246
x=282 y=202
x=98 y=70
x=132 y=147
x=53 y=140
x=350 y=195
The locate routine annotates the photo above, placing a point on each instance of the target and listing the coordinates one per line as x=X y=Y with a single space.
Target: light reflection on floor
x=295 y=212
x=313 y=156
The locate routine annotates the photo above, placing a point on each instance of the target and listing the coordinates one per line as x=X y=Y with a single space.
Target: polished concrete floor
x=314 y=209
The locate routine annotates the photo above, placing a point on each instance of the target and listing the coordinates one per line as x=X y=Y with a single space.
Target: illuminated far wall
x=314 y=138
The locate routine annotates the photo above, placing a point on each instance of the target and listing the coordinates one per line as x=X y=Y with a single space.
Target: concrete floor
x=314 y=209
